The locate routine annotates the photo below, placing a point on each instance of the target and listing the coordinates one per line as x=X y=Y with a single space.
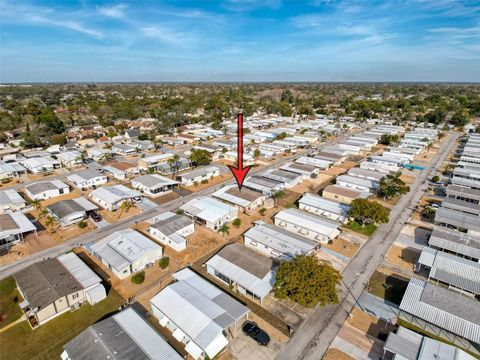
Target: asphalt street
x=317 y=332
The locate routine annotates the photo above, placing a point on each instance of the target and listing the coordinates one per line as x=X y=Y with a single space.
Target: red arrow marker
x=239 y=172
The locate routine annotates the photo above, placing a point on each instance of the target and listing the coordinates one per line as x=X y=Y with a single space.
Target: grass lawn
x=46 y=341
x=9 y=300
x=388 y=287
x=365 y=230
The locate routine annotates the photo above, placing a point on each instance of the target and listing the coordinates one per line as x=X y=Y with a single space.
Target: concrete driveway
x=99 y=224
x=243 y=347
x=146 y=204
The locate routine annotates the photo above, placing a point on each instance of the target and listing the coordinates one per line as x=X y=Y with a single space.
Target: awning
x=193 y=350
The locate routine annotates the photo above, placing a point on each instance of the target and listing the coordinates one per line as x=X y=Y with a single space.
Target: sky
x=239 y=40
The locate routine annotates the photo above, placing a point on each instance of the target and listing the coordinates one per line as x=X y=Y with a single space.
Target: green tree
x=278 y=195
x=388 y=139
x=307 y=281
x=237 y=222
x=281 y=136
x=365 y=211
x=125 y=206
x=256 y=153
x=164 y=262
x=200 y=157
x=391 y=185
x=436 y=178
x=138 y=278
x=224 y=230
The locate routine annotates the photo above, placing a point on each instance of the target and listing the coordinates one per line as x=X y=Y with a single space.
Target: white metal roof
x=280 y=240
x=22 y=223
x=208 y=209
x=454 y=270
x=309 y=221
x=149 y=340
x=197 y=307
x=84 y=275
x=446 y=309
x=115 y=193
x=324 y=204
x=123 y=247
x=10 y=196
x=322 y=164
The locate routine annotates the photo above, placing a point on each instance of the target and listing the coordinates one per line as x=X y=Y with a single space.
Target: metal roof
x=463 y=191
x=197 y=307
x=246 y=267
x=154 y=181
x=14 y=223
x=10 y=196
x=461 y=205
x=325 y=204
x=453 y=270
x=232 y=195
x=446 y=309
x=64 y=208
x=314 y=161
x=84 y=175
x=41 y=186
x=458 y=219
x=367 y=174
x=280 y=240
x=169 y=225
x=309 y=221
x=199 y=172
x=208 y=209
x=455 y=241
x=84 y=275
x=371 y=184
x=123 y=247
x=115 y=193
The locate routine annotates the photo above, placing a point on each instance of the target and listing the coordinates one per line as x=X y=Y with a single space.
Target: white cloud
x=165 y=34
x=115 y=11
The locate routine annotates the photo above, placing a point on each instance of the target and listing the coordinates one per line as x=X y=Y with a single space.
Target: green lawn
x=365 y=229
x=9 y=300
x=388 y=287
x=46 y=341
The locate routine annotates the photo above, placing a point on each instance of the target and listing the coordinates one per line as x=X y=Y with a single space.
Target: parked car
x=96 y=216
x=251 y=329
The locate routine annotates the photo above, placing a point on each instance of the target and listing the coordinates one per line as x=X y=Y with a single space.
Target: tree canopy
x=307 y=281
x=391 y=185
x=365 y=211
x=388 y=139
x=200 y=157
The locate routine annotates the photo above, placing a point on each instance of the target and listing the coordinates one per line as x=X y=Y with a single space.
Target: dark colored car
x=251 y=329
x=96 y=217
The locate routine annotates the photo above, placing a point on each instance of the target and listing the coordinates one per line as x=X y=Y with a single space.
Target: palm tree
x=43 y=213
x=36 y=204
x=277 y=195
x=173 y=162
x=50 y=222
x=224 y=230
x=125 y=206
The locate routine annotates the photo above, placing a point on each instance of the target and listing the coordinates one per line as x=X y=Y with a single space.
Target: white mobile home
x=324 y=207
x=42 y=190
x=171 y=230
x=126 y=252
x=311 y=226
x=209 y=212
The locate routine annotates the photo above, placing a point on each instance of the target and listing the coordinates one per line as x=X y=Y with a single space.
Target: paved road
x=104 y=231
x=317 y=332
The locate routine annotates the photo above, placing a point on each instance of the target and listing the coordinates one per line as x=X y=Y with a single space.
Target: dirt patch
x=348 y=164
x=407 y=179
x=113 y=216
x=312 y=185
x=289 y=199
x=403 y=257
x=343 y=246
x=368 y=324
x=335 y=170
x=335 y=354
x=165 y=198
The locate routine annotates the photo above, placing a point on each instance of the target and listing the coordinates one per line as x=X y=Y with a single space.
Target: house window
x=75 y=296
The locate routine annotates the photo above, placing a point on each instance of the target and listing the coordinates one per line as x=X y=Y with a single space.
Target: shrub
x=262 y=211
x=436 y=178
x=138 y=278
x=204 y=181
x=164 y=262
x=82 y=224
x=237 y=222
